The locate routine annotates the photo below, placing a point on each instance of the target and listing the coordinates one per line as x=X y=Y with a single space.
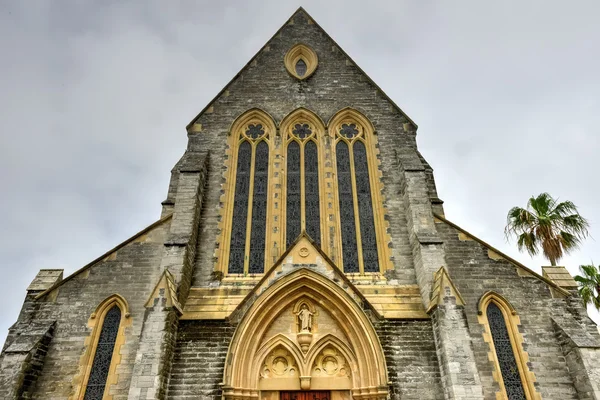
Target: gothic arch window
x=102 y=356
x=246 y=231
x=360 y=212
x=302 y=131
x=506 y=347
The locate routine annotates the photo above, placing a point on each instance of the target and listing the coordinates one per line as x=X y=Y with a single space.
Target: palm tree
x=547 y=225
x=589 y=285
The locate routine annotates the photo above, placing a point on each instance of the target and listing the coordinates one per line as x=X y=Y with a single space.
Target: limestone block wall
x=132 y=272
x=410 y=353
x=474 y=273
x=336 y=84
x=199 y=359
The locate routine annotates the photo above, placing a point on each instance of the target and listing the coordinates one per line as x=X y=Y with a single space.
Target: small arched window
x=506 y=343
x=103 y=354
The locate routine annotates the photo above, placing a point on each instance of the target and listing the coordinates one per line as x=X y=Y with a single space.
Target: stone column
x=460 y=377
x=152 y=367
x=428 y=253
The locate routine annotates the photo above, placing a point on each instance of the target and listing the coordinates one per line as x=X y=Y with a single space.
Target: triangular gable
x=304 y=253
x=443 y=287
x=165 y=289
x=498 y=255
x=298 y=12
x=106 y=255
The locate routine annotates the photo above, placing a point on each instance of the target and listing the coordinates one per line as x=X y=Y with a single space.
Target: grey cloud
x=94 y=99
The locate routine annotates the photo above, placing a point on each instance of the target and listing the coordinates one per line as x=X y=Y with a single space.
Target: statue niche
x=305 y=316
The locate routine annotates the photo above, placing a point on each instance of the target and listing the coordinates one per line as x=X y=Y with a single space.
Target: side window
x=506 y=347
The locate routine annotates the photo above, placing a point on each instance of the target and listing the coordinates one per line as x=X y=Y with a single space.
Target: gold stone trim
x=304 y=116
x=367 y=136
x=95 y=322
x=304 y=53
x=363 y=353
x=237 y=135
x=512 y=322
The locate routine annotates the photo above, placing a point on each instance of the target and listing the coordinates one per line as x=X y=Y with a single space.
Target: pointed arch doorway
x=302 y=333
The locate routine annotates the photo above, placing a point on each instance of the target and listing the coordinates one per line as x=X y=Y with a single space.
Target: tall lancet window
x=102 y=355
x=104 y=352
x=248 y=232
x=502 y=333
x=302 y=131
x=356 y=195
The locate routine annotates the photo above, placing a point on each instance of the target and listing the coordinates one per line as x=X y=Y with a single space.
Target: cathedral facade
x=302 y=253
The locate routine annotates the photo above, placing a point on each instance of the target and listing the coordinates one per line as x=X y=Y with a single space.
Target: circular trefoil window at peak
x=301 y=61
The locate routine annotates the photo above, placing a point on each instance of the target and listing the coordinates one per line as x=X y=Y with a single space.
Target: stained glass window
x=346 y=203
x=293 y=219
x=103 y=357
x=365 y=208
x=349 y=131
x=302 y=131
x=255 y=131
x=259 y=209
x=301 y=67
x=237 y=248
x=311 y=191
x=504 y=353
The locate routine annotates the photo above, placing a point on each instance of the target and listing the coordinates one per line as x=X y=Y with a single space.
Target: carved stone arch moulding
x=95 y=323
x=511 y=322
x=252 y=128
x=301 y=61
x=350 y=126
x=360 y=365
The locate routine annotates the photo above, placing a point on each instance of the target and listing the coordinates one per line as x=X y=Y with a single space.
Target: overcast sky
x=95 y=97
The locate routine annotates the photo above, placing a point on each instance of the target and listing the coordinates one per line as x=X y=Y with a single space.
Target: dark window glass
x=349 y=248
x=293 y=223
x=259 y=209
x=103 y=356
x=349 y=131
x=237 y=248
x=302 y=131
x=504 y=352
x=255 y=131
x=301 y=67
x=311 y=191
x=365 y=208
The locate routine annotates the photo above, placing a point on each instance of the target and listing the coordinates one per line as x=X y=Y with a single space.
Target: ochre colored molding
x=512 y=323
x=442 y=287
x=237 y=135
x=316 y=124
x=304 y=53
x=367 y=136
x=95 y=323
x=498 y=255
x=167 y=284
x=369 y=373
x=108 y=255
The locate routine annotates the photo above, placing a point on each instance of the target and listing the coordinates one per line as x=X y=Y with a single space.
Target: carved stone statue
x=305 y=318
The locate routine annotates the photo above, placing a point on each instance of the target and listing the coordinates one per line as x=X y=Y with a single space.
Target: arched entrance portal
x=305 y=333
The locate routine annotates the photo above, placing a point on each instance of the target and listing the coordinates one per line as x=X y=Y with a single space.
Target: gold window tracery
x=249 y=189
x=303 y=176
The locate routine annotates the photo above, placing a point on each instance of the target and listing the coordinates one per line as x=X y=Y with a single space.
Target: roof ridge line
x=103 y=256
x=503 y=255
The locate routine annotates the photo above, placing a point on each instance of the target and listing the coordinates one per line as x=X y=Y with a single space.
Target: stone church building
x=302 y=253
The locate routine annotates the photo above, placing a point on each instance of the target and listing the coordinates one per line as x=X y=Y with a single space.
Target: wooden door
x=308 y=395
